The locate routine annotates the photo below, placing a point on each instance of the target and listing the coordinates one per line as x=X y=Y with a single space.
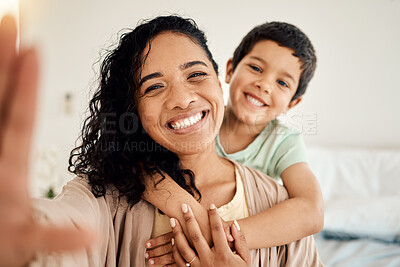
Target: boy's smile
x=263 y=83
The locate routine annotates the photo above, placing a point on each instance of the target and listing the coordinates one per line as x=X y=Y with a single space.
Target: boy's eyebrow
x=150 y=76
x=287 y=74
x=192 y=63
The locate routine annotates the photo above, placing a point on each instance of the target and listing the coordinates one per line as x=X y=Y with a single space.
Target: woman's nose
x=180 y=97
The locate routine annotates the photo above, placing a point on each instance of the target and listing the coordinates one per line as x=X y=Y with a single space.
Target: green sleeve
x=290 y=151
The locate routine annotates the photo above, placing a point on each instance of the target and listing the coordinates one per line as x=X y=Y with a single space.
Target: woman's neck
x=207 y=166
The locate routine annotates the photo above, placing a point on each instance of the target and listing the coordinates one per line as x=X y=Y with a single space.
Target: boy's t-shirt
x=276 y=148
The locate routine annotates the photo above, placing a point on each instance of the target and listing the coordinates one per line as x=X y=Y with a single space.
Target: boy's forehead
x=270 y=54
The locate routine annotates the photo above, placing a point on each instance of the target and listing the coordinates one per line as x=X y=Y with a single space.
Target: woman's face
x=180 y=96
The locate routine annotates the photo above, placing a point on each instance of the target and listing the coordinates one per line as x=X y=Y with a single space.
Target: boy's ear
x=229 y=71
x=294 y=103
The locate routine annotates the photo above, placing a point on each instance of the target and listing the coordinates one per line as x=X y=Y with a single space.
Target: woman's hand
x=159 y=249
x=20 y=237
x=219 y=255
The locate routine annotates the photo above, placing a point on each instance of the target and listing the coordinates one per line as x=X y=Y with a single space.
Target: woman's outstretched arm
x=20 y=237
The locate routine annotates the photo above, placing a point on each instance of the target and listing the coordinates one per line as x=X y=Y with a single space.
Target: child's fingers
x=163 y=260
x=159 y=240
x=217 y=230
x=240 y=242
x=159 y=251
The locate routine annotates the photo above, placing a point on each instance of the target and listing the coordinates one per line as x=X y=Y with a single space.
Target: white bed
x=361 y=189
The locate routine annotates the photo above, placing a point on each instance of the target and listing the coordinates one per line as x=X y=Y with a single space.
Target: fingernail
x=172 y=222
x=230 y=238
x=148 y=245
x=151 y=261
x=184 y=208
x=212 y=207
x=146 y=255
x=172 y=241
x=236 y=225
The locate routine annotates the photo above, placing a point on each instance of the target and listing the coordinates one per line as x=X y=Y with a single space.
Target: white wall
x=352 y=100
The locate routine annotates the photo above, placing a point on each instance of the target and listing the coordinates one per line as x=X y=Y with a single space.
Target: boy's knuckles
x=165 y=259
x=167 y=238
x=166 y=249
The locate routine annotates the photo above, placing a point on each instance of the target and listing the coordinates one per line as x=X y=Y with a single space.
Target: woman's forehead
x=170 y=49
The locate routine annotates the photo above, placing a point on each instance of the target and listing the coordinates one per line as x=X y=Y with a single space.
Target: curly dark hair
x=286 y=35
x=116 y=152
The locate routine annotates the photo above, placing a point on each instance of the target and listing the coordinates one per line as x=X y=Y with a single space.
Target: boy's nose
x=180 y=97
x=264 y=86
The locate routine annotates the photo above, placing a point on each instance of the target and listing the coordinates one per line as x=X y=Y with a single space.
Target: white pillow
x=374 y=217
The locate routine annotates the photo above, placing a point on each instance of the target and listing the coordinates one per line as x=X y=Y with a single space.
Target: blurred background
x=352 y=101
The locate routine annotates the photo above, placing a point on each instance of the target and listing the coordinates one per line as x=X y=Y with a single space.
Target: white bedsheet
x=357 y=253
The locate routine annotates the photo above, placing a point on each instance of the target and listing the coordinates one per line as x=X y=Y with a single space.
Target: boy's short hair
x=286 y=35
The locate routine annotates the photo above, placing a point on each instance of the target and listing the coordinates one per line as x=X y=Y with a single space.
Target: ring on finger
x=190 y=262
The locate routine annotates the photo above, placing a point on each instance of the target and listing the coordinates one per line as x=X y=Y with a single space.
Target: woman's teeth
x=181 y=124
x=254 y=101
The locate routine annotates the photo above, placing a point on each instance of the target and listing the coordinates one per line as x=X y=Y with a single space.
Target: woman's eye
x=255 y=68
x=153 y=87
x=283 y=83
x=196 y=75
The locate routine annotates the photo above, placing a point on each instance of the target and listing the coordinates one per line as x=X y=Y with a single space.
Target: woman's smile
x=183 y=124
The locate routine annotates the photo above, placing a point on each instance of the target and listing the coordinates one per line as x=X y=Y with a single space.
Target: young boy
x=268 y=75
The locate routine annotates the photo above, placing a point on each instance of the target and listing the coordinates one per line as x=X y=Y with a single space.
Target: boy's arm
x=299 y=216
x=168 y=196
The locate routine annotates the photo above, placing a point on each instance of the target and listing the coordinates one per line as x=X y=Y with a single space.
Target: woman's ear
x=229 y=71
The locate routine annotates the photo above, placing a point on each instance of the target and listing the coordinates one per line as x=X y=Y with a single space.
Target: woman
x=161 y=84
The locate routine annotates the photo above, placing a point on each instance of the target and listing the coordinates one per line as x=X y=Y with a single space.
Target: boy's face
x=263 y=83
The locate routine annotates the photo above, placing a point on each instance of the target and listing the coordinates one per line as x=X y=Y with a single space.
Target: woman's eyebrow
x=192 y=63
x=182 y=67
x=150 y=76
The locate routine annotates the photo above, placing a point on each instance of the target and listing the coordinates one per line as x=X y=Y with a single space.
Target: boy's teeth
x=254 y=101
x=186 y=122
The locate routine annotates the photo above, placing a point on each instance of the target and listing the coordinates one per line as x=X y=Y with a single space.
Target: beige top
x=124 y=231
x=234 y=210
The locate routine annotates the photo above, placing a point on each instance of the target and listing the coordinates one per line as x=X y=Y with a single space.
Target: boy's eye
x=197 y=75
x=255 y=68
x=152 y=88
x=283 y=83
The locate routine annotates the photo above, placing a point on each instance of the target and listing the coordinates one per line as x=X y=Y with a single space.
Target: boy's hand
x=159 y=250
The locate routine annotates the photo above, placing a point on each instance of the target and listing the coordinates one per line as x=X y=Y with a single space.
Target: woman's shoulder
x=261 y=191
